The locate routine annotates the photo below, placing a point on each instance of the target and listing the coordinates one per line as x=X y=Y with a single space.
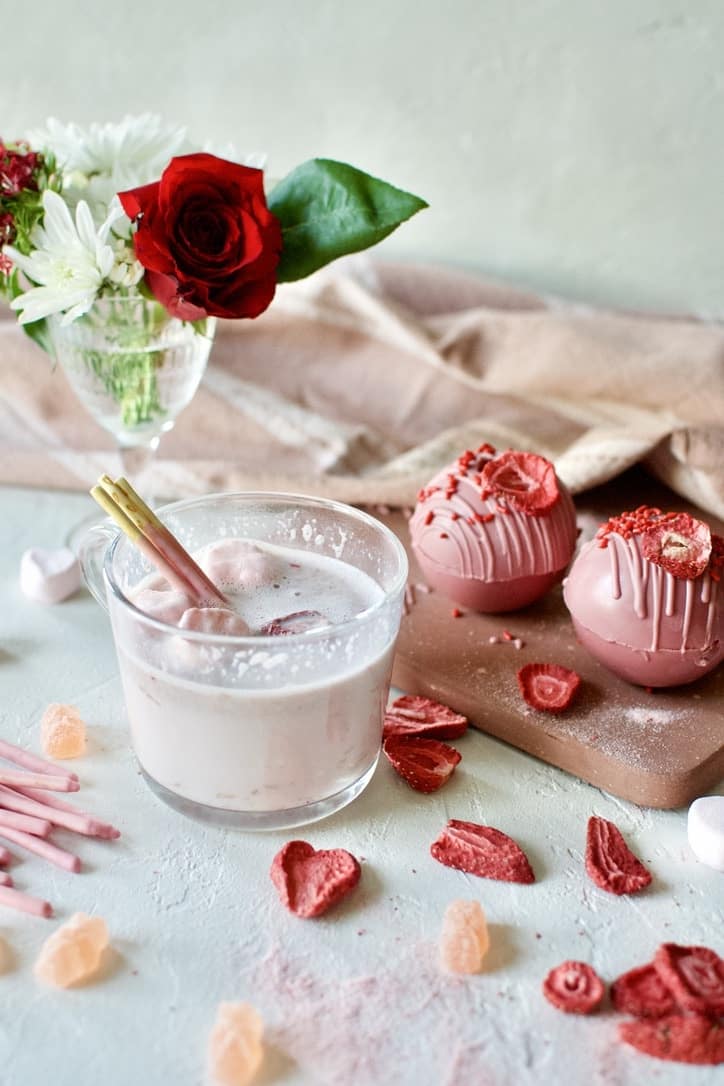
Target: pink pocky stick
x=24 y=903
x=94 y=827
x=42 y=781
x=58 y=856
x=18 y=756
x=14 y=801
x=39 y=827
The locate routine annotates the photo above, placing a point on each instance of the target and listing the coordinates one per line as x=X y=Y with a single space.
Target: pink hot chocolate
x=494 y=531
x=633 y=605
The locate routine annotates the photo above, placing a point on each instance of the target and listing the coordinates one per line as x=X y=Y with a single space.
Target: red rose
x=208 y=241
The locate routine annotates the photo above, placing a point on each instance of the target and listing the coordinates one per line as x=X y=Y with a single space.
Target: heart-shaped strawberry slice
x=309 y=881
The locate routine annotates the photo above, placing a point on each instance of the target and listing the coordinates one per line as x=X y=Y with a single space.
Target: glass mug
x=255 y=732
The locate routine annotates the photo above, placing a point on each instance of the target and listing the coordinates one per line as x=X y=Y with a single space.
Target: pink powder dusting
x=470 y=1066
x=357 y=1030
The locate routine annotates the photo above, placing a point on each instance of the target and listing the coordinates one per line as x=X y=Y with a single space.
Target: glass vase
x=134 y=368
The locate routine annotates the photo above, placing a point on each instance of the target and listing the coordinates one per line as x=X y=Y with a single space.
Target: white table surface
x=352 y=998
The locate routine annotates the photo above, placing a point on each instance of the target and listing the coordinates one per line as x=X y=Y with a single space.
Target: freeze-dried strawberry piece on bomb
x=524 y=479
x=680 y=544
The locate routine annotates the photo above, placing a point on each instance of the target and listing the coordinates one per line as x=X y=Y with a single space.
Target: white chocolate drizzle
x=511 y=544
x=654 y=585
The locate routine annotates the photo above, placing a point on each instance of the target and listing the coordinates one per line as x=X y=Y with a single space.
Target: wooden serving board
x=659 y=749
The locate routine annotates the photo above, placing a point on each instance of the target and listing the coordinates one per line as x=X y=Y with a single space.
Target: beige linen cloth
x=362 y=381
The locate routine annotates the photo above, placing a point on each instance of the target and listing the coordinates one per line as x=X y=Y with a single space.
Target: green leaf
x=328 y=209
x=37 y=330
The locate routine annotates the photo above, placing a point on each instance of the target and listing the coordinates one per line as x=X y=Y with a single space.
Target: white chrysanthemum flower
x=69 y=263
x=98 y=192
x=126 y=271
x=132 y=152
x=256 y=159
x=101 y=160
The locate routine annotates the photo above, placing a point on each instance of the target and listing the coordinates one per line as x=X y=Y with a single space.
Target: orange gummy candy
x=73 y=952
x=235 y=1048
x=464 y=941
x=62 y=732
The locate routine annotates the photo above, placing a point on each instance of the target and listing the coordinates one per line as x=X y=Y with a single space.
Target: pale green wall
x=575 y=145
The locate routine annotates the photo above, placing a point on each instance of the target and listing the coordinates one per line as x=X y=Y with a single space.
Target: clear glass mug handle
x=91 y=551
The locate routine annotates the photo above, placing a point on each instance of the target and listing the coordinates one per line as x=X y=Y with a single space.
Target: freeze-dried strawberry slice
x=412 y=715
x=525 y=480
x=548 y=686
x=297 y=622
x=574 y=987
x=642 y=992
x=690 y=1039
x=694 y=975
x=310 y=882
x=681 y=545
x=426 y=764
x=482 y=851
x=610 y=863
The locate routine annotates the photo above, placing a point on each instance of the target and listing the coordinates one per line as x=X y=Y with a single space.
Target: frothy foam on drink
x=266 y=584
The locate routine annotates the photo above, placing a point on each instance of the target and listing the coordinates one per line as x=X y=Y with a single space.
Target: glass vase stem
x=135 y=461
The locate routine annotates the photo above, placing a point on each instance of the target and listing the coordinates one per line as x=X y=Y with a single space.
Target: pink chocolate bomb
x=494 y=531
x=645 y=599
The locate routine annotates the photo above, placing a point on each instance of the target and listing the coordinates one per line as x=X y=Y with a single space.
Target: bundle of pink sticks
x=29 y=811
